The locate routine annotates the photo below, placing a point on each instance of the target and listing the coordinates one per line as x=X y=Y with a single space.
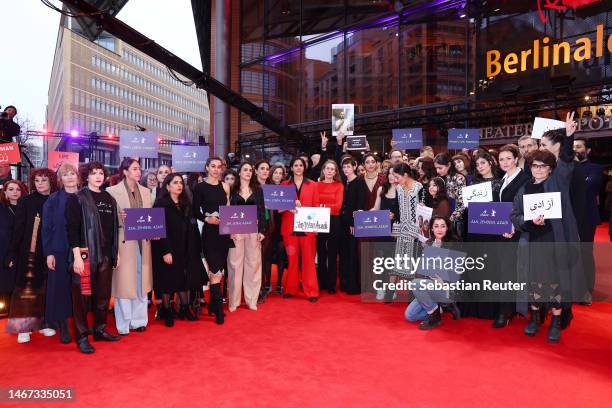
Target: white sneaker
x=47 y=332
x=23 y=337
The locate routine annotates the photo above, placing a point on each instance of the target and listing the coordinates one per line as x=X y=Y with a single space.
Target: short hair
x=402 y=169
x=396 y=150
x=23 y=187
x=229 y=172
x=9 y=107
x=273 y=169
x=587 y=144
x=543 y=156
x=145 y=176
x=212 y=159
x=349 y=160
x=464 y=158
x=426 y=148
x=63 y=169
x=510 y=148
x=43 y=172
x=524 y=137
x=88 y=168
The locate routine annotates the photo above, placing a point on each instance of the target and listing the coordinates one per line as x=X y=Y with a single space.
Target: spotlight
x=587 y=97
x=74 y=133
x=182 y=141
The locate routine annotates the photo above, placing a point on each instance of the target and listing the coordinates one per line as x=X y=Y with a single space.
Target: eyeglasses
x=539 y=166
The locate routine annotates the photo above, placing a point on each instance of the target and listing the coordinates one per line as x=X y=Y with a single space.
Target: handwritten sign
x=407 y=139
x=311 y=219
x=463 y=138
x=543 y=125
x=546 y=204
x=356 y=142
x=279 y=197
x=134 y=143
x=423 y=214
x=56 y=159
x=144 y=223
x=237 y=219
x=189 y=158
x=372 y=223
x=489 y=218
x=9 y=153
x=477 y=193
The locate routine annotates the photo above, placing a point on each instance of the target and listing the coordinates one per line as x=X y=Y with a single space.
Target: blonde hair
x=63 y=169
x=333 y=163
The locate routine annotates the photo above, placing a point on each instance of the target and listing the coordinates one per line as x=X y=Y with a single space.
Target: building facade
x=108 y=86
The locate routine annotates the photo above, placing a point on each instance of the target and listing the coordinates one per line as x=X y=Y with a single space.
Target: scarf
x=135 y=201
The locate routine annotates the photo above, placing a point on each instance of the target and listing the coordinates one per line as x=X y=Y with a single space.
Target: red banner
x=560 y=5
x=56 y=159
x=9 y=153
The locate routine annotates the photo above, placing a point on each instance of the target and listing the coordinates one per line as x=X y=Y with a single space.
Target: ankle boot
x=432 y=320
x=216 y=303
x=64 y=332
x=534 y=324
x=168 y=317
x=158 y=311
x=452 y=309
x=501 y=321
x=554 y=331
x=187 y=313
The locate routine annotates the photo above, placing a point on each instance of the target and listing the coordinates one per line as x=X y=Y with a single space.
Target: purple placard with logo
x=134 y=143
x=144 y=223
x=489 y=218
x=237 y=219
x=463 y=138
x=411 y=138
x=279 y=197
x=189 y=158
x=372 y=223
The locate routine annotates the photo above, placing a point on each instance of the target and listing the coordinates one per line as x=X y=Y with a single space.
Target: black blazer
x=508 y=194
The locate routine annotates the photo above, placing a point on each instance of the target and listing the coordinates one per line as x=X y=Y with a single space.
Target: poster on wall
x=343 y=119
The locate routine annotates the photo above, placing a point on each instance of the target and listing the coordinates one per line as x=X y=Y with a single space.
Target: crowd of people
x=63 y=251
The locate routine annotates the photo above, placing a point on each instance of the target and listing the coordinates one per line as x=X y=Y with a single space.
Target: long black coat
x=7 y=275
x=183 y=242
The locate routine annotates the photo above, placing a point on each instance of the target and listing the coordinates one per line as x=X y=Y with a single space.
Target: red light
x=110 y=136
x=159 y=140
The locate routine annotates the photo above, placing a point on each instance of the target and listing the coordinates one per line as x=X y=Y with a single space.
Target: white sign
x=546 y=204
x=311 y=219
x=423 y=214
x=543 y=125
x=477 y=193
x=343 y=119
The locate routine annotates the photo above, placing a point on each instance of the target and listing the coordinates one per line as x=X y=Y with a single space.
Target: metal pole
x=222 y=67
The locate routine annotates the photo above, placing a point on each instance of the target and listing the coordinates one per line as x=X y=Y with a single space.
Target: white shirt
x=507 y=180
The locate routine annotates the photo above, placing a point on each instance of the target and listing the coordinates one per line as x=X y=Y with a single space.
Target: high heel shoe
x=501 y=321
x=167 y=316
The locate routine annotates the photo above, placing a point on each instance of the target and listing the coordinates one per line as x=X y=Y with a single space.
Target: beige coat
x=124 y=277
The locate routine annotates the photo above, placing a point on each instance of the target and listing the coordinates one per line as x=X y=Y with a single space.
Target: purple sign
x=279 y=197
x=463 y=138
x=134 y=143
x=489 y=218
x=237 y=219
x=372 y=223
x=408 y=138
x=144 y=223
x=189 y=158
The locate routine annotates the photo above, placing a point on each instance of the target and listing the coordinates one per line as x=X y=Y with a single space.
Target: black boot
x=168 y=317
x=501 y=321
x=85 y=346
x=452 y=309
x=554 y=331
x=101 y=334
x=186 y=313
x=216 y=303
x=566 y=316
x=64 y=332
x=432 y=320
x=534 y=324
x=158 y=311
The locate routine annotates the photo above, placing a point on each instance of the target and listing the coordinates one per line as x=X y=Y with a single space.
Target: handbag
x=86 y=275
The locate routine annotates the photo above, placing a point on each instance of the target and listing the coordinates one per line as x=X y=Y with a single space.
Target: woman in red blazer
x=304 y=242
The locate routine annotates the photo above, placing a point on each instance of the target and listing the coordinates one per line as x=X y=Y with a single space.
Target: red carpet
x=337 y=352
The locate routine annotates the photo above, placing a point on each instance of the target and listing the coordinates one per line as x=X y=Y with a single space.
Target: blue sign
x=144 y=223
x=279 y=197
x=237 y=219
x=463 y=138
x=372 y=223
x=134 y=143
x=489 y=218
x=189 y=158
x=407 y=139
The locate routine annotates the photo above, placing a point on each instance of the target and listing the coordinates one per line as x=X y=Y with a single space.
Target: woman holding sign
x=278 y=255
x=303 y=243
x=549 y=257
x=207 y=197
x=244 y=258
x=133 y=277
x=454 y=183
x=177 y=263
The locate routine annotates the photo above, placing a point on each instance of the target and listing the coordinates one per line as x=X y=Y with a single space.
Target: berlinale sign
x=540 y=55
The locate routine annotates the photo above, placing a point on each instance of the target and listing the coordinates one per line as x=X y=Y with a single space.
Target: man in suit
x=592 y=174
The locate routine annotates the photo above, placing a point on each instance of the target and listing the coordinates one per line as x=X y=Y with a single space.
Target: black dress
x=207 y=198
x=183 y=242
x=7 y=275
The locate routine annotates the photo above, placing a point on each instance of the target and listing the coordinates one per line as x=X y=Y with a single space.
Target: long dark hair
x=444 y=159
x=427 y=165
x=449 y=237
x=387 y=186
x=291 y=168
x=402 y=169
x=253 y=184
x=184 y=203
x=125 y=164
x=441 y=194
x=482 y=154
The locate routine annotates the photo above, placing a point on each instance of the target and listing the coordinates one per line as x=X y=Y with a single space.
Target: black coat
x=7 y=275
x=183 y=242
